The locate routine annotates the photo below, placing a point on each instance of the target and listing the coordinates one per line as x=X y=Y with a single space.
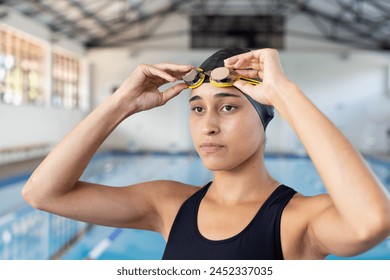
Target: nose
x=210 y=124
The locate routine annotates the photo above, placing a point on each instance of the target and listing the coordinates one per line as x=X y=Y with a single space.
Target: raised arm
x=358 y=214
x=55 y=185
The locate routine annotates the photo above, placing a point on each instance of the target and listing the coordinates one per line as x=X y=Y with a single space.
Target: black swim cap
x=265 y=112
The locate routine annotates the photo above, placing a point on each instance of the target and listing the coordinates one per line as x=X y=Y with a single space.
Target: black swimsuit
x=259 y=240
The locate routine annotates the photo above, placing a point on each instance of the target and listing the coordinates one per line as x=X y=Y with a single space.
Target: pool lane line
x=102 y=246
x=105 y=243
x=158 y=167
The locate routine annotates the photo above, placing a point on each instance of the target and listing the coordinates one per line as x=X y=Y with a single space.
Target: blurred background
x=59 y=59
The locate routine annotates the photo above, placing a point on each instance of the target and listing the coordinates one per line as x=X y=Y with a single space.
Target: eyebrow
x=219 y=95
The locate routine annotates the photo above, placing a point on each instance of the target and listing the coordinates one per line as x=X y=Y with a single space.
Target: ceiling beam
x=174 y=5
x=58 y=15
x=88 y=14
x=338 y=22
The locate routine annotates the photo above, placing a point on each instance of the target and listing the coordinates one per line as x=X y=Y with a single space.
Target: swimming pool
x=119 y=168
x=295 y=171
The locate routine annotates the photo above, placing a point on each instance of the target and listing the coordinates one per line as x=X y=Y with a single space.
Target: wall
x=27 y=124
x=351 y=88
x=348 y=86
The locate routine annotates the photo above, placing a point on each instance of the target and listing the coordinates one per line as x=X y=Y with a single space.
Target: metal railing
x=30 y=234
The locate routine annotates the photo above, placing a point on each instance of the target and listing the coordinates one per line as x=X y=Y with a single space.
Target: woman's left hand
x=263 y=64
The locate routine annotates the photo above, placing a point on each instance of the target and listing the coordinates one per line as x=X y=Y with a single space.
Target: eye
x=197 y=109
x=228 y=108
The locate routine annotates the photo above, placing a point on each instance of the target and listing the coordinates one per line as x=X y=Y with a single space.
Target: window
x=22 y=69
x=66 y=77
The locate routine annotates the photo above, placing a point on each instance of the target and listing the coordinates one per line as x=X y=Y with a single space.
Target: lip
x=211 y=147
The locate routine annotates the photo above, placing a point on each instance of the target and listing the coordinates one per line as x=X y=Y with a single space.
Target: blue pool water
x=118 y=169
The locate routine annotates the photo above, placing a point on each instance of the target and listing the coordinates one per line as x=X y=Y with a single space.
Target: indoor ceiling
x=102 y=23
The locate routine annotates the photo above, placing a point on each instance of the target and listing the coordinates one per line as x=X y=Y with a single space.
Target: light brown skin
x=228 y=136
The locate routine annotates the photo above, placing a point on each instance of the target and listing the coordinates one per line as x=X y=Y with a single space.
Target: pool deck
x=16 y=168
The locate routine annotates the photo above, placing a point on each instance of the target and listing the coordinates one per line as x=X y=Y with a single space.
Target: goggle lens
x=219 y=77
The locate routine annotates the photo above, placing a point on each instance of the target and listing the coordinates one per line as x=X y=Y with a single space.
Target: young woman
x=243 y=213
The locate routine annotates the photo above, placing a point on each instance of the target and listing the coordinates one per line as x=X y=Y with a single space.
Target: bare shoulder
x=298 y=214
x=164 y=194
x=167 y=198
x=309 y=204
x=171 y=190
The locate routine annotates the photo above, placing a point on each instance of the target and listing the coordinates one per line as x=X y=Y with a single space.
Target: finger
x=172 y=92
x=229 y=62
x=243 y=60
x=174 y=66
x=254 y=91
x=256 y=65
x=257 y=92
x=176 y=70
x=155 y=72
x=244 y=86
x=249 y=73
x=254 y=74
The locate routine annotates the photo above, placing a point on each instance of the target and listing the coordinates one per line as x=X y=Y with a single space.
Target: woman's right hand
x=141 y=89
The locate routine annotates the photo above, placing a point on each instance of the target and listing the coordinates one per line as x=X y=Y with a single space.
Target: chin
x=218 y=164
x=231 y=162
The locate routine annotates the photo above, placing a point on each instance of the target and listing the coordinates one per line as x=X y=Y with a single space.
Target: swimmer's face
x=226 y=129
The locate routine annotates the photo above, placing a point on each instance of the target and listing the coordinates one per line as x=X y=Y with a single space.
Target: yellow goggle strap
x=251 y=81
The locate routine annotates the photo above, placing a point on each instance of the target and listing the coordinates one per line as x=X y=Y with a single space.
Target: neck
x=246 y=181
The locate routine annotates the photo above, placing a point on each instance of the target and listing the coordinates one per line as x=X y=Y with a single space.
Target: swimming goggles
x=219 y=77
